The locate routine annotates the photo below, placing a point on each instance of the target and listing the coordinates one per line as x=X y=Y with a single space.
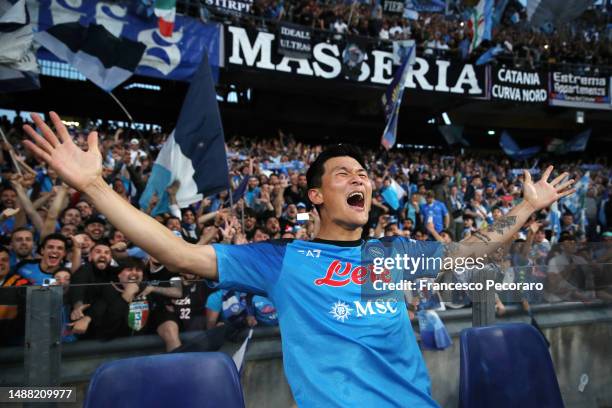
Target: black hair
x=61 y=217
x=390 y=226
x=314 y=175
x=566 y=236
x=249 y=212
x=130 y=262
x=261 y=229
x=22 y=229
x=55 y=236
x=172 y=217
x=4 y=249
x=450 y=234
x=63 y=269
x=102 y=241
x=96 y=220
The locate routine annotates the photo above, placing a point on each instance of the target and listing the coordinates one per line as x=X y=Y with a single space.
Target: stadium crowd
x=52 y=235
x=444 y=34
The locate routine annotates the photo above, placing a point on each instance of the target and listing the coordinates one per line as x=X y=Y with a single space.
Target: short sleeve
x=253 y=268
x=444 y=209
x=214 y=301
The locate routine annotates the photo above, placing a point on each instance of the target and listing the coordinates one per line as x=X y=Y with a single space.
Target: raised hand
x=77 y=312
x=78 y=240
x=534 y=227
x=542 y=194
x=8 y=213
x=78 y=168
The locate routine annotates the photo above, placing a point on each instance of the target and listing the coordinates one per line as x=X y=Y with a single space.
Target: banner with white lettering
x=294 y=40
x=175 y=57
x=519 y=86
x=579 y=91
x=350 y=61
x=393 y=7
x=235 y=7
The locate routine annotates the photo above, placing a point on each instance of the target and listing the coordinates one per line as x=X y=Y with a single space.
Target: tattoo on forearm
x=479 y=235
x=501 y=225
x=451 y=249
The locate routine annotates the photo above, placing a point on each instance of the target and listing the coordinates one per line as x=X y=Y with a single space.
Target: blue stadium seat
x=507 y=365
x=207 y=380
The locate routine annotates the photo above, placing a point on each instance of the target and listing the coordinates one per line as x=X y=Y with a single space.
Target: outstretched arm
x=535 y=197
x=83 y=171
x=26 y=203
x=57 y=206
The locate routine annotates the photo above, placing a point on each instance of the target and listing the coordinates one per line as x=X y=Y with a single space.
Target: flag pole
x=351 y=13
x=122 y=107
x=242 y=217
x=11 y=152
x=229 y=190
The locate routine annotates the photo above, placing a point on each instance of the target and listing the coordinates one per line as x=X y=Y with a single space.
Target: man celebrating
x=338 y=350
x=53 y=252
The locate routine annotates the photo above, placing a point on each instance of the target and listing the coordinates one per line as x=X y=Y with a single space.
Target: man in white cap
x=135 y=152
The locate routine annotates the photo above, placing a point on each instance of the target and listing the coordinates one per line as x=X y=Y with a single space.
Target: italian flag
x=165 y=10
x=480 y=23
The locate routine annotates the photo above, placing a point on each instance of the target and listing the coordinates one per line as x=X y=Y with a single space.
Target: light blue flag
x=393 y=194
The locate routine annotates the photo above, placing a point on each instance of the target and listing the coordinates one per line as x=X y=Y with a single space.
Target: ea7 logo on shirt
x=341 y=311
x=315 y=253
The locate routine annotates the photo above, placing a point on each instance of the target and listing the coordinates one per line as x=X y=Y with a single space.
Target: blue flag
x=195 y=151
x=579 y=142
x=498 y=11
x=513 y=150
x=392 y=99
x=241 y=189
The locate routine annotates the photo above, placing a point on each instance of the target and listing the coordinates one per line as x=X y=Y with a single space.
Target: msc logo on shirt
x=341 y=311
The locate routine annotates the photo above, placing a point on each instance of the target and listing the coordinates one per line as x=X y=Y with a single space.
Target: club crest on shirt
x=340 y=311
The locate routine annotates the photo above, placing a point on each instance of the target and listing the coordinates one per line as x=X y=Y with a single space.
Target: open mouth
x=356 y=200
x=53 y=259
